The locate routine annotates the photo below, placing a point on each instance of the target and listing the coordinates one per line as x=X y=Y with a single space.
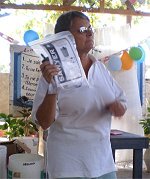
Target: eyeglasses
x=86 y=30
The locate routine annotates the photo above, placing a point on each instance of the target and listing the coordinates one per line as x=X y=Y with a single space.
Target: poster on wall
x=24 y=75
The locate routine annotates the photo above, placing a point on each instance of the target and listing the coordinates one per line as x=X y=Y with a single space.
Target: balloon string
x=105 y=59
x=6 y=37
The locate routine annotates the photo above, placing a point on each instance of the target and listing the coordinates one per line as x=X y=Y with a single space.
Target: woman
x=78 y=142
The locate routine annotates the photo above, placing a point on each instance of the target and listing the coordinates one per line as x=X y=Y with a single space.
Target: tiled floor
x=125 y=171
x=127 y=174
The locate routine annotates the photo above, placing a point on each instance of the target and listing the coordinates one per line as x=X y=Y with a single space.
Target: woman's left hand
x=116 y=108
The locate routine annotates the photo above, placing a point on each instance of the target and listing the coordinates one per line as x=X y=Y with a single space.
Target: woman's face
x=83 y=34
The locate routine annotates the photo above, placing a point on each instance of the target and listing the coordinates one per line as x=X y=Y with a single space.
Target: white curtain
x=130 y=121
x=111 y=40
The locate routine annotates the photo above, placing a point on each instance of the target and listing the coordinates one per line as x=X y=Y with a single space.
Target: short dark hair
x=64 y=20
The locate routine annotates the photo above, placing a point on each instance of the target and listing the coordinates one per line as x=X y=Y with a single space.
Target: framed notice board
x=24 y=74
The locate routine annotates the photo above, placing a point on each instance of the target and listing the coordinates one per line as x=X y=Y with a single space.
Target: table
x=131 y=141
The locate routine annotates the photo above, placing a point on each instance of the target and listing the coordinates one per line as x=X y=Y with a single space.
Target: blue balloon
x=114 y=63
x=143 y=55
x=29 y=36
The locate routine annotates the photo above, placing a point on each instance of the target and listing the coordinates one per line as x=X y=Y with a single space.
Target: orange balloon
x=127 y=61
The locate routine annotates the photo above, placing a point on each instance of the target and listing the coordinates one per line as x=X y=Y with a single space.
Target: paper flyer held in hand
x=60 y=49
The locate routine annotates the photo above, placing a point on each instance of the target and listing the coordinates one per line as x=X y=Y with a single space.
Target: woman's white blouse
x=78 y=143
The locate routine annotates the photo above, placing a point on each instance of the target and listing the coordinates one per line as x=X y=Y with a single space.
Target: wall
x=147 y=84
x=4 y=93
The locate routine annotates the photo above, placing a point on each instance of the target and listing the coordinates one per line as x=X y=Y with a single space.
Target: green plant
x=12 y=126
x=29 y=126
x=146 y=122
x=19 y=126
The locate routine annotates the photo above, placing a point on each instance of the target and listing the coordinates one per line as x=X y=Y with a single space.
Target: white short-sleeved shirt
x=78 y=143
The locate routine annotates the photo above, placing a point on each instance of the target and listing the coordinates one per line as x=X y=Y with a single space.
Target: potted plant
x=145 y=122
x=17 y=126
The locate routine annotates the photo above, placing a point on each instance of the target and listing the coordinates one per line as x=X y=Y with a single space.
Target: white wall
x=4 y=93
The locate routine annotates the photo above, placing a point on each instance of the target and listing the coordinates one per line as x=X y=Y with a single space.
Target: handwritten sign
x=29 y=75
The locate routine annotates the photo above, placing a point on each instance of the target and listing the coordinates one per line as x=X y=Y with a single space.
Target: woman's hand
x=116 y=108
x=48 y=71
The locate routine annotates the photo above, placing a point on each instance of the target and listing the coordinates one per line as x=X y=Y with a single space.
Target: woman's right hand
x=48 y=71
